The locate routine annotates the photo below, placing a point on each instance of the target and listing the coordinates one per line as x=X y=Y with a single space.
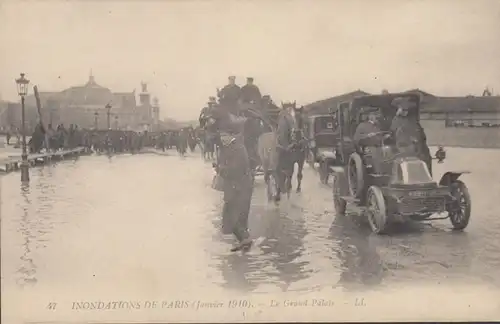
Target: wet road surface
x=152 y=222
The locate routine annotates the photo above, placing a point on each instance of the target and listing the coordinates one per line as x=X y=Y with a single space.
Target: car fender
x=451 y=176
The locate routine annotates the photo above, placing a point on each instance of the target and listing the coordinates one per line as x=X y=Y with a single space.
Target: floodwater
x=148 y=225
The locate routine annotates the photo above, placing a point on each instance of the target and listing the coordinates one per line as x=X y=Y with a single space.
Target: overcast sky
x=296 y=50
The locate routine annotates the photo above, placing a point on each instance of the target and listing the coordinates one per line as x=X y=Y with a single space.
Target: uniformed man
x=234 y=167
x=229 y=96
x=368 y=133
x=250 y=92
x=406 y=130
x=409 y=135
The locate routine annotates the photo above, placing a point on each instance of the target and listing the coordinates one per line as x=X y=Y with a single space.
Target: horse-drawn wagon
x=388 y=185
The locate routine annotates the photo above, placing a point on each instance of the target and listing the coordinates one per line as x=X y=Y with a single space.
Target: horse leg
x=279 y=177
x=299 y=174
x=289 y=179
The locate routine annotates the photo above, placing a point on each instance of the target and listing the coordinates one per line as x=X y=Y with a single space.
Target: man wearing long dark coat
x=234 y=168
x=250 y=92
x=230 y=95
x=409 y=135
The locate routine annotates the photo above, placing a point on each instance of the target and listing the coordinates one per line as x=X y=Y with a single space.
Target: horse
x=278 y=161
x=298 y=150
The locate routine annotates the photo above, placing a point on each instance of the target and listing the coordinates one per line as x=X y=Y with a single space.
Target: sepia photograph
x=249 y=161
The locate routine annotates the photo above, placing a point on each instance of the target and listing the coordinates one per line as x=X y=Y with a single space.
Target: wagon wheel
x=339 y=189
x=377 y=211
x=460 y=210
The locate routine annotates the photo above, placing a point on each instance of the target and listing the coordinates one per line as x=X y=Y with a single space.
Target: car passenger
x=407 y=132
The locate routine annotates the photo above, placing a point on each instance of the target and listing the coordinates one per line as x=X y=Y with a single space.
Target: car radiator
x=422 y=205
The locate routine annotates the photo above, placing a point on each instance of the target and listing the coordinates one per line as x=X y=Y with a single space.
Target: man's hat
x=401 y=102
x=370 y=110
x=249 y=79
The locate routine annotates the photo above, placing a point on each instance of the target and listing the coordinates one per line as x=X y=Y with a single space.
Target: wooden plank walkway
x=13 y=162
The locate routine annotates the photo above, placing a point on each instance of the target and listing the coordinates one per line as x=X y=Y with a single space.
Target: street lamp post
x=96 y=120
x=22 y=89
x=108 y=108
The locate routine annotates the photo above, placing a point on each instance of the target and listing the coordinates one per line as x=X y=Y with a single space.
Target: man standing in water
x=234 y=168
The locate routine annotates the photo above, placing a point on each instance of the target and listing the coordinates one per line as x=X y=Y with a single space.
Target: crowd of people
x=111 y=141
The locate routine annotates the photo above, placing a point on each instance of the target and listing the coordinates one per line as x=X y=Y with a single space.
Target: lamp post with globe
x=22 y=90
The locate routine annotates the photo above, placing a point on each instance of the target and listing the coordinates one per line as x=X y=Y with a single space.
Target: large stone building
x=85 y=105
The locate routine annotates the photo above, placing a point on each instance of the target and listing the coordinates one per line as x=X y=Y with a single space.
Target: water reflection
x=35 y=220
x=425 y=251
x=275 y=262
x=27 y=268
x=284 y=230
x=361 y=265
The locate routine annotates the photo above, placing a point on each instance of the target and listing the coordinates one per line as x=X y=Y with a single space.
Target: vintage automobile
x=323 y=136
x=390 y=186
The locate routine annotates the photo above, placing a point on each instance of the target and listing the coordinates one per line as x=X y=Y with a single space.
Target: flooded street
x=148 y=225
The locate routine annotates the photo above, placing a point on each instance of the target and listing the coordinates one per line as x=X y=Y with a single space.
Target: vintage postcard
x=249 y=161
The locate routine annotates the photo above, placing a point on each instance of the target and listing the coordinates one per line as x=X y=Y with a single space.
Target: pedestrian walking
x=234 y=169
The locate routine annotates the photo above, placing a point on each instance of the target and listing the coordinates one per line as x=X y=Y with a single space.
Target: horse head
x=298 y=120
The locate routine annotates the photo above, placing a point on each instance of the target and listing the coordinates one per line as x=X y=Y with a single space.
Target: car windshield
x=417 y=172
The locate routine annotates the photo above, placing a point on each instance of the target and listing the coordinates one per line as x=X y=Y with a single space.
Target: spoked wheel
x=377 y=211
x=356 y=176
x=459 y=211
x=339 y=190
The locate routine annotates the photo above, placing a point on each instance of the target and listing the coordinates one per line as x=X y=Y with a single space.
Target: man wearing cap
x=230 y=95
x=368 y=132
x=406 y=130
x=250 y=92
x=409 y=135
x=235 y=169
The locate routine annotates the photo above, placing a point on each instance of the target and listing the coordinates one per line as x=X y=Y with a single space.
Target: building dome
x=90 y=93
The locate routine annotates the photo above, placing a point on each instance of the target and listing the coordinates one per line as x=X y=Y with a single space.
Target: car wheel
x=460 y=210
x=377 y=210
